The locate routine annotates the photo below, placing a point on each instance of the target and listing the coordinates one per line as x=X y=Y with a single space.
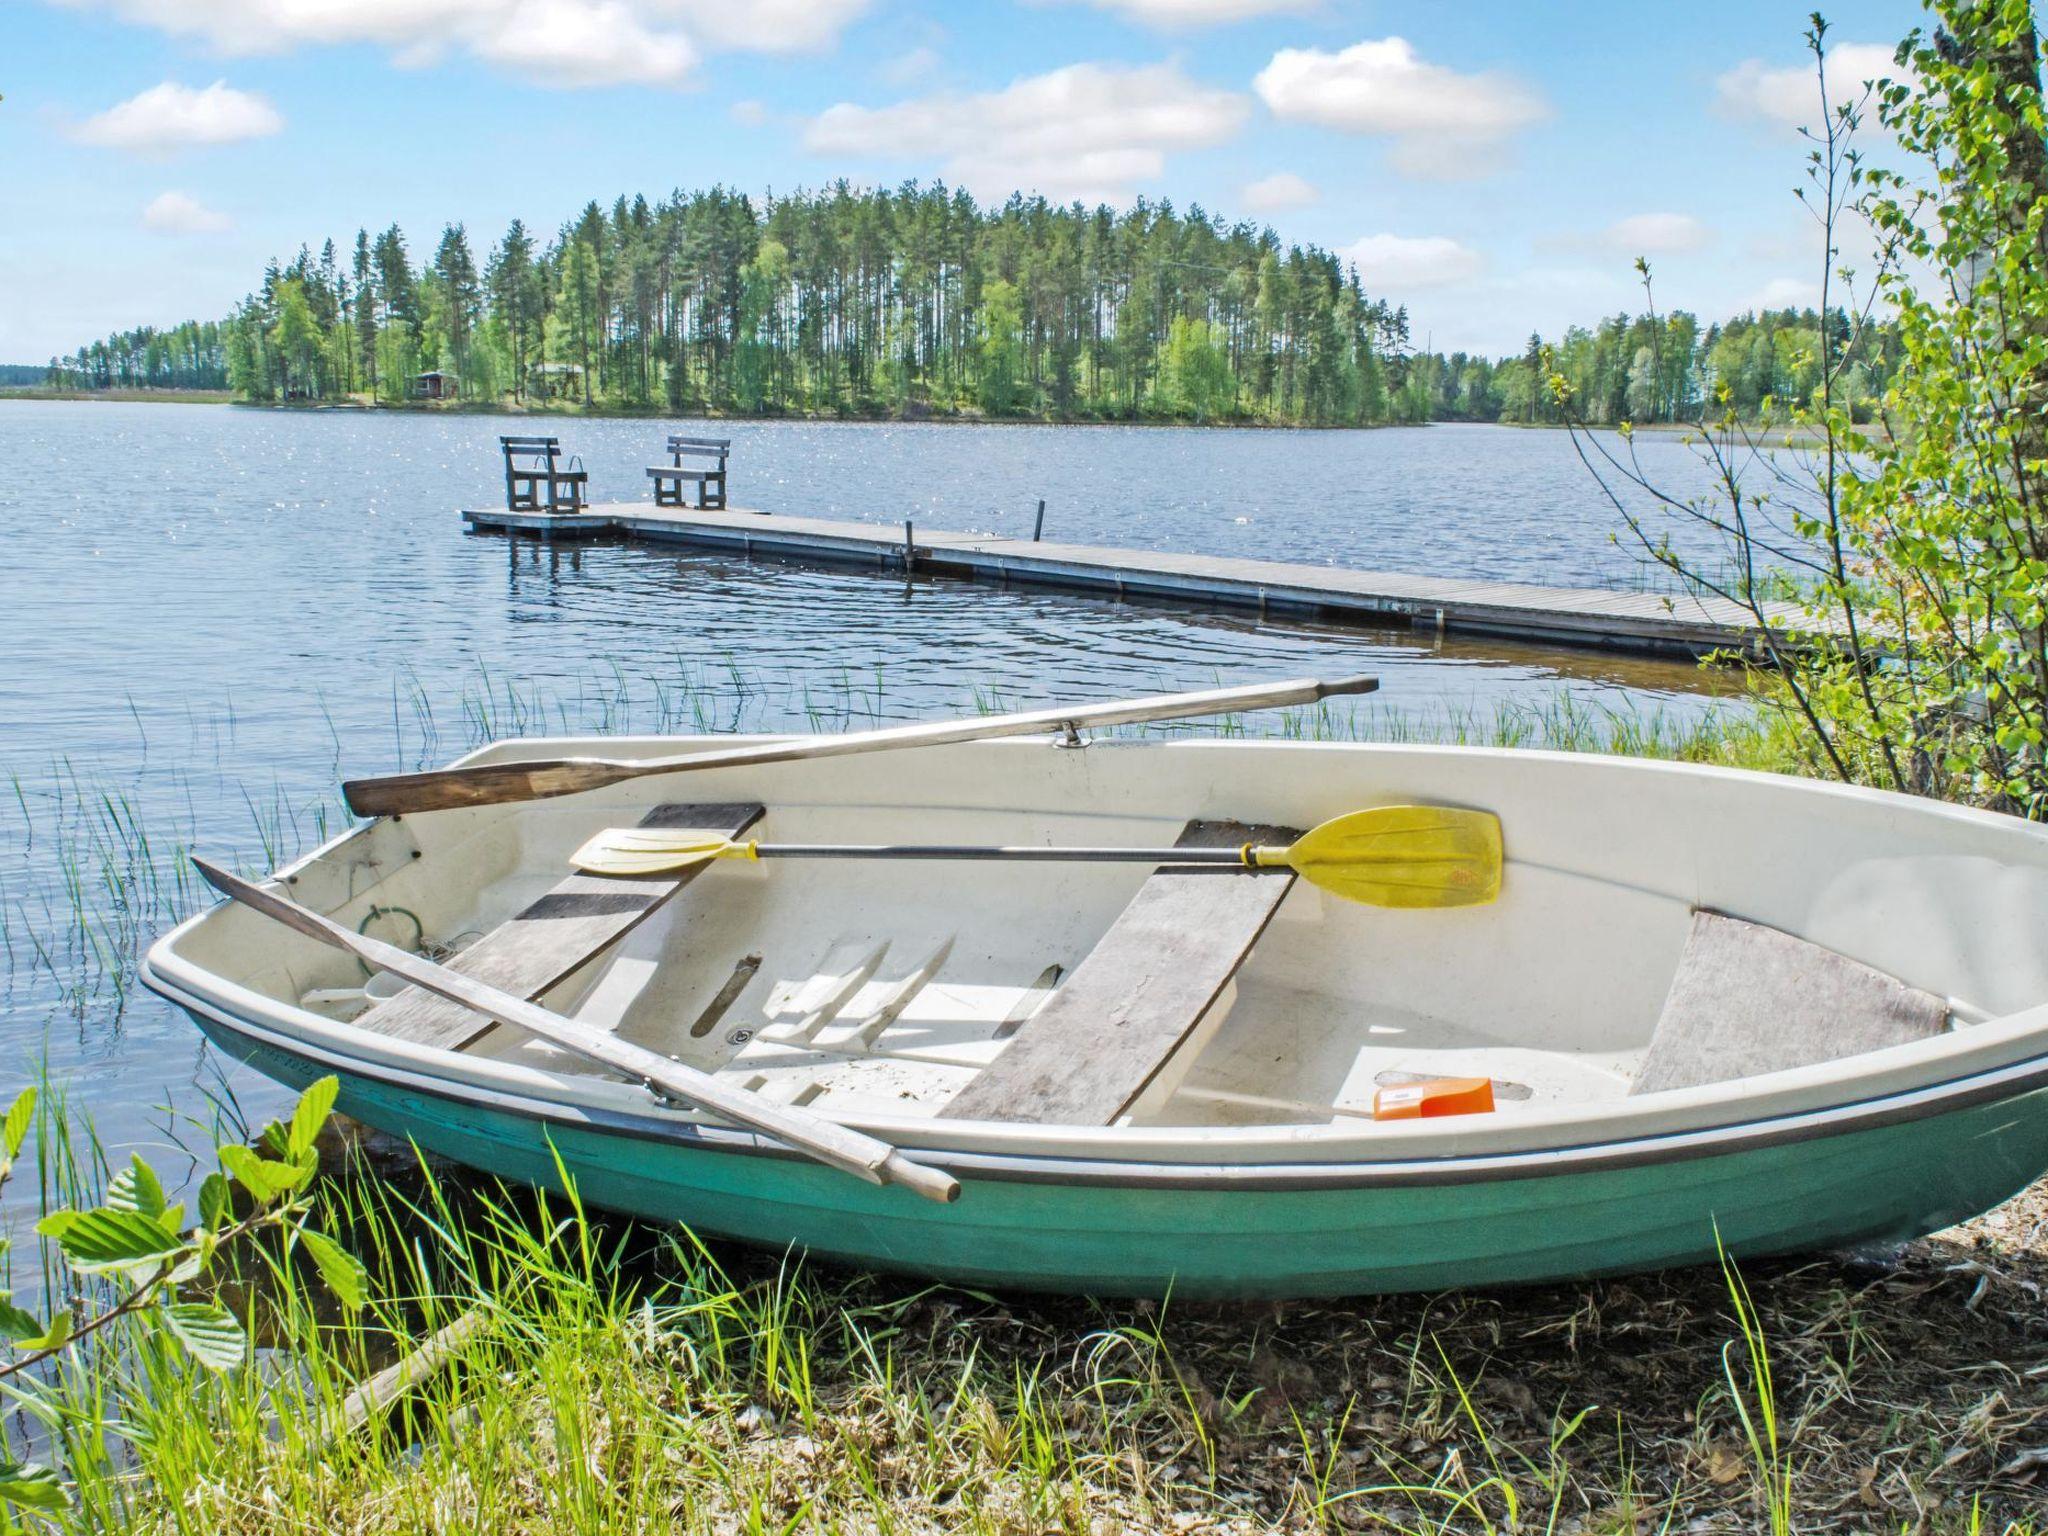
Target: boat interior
x=1080 y=994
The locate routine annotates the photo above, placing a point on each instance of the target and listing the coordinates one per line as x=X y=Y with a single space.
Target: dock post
x=1038 y=527
x=909 y=546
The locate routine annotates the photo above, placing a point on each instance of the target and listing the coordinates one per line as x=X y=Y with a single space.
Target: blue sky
x=1494 y=164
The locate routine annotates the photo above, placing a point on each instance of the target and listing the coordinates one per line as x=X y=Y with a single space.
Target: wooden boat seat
x=565 y=929
x=1103 y=1038
x=1748 y=1000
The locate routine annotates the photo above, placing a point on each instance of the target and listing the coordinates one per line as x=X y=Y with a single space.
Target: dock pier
x=1661 y=623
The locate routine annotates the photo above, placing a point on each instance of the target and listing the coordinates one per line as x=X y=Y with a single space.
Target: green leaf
x=342 y=1270
x=136 y=1188
x=314 y=1106
x=263 y=1177
x=216 y=1201
x=210 y=1331
x=14 y=1129
x=30 y=1485
x=52 y=1337
x=109 y=1239
x=17 y=1324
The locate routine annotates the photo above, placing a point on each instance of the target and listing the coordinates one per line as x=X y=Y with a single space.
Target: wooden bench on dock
x=1111 y=1035
x=669 y=478
x=536 y=480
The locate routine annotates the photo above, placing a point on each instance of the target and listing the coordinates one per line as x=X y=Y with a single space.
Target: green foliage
x=195 y=355
x=1902 y=576
x=835 y=301
x=1001 y=352
x=130 y=1263
x=29 y=1485
x=111 y=1238
x=1196 y=377
x=1947 y=526
x=210 y=1331
x=342 y=1270
x=1648 y=369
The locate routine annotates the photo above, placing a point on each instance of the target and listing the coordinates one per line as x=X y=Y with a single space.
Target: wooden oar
x=441 y=789
x=864 y=1156
x=1389 y=856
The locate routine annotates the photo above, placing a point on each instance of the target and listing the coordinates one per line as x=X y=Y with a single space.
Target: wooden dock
x=1668 y=623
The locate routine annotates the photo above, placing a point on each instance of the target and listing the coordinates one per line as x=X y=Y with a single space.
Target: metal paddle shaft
x=1022 y=855
x=536 y=779
x=855 y=1152
x=1387 y=856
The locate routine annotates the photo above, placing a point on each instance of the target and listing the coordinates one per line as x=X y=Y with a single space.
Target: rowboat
x=1709 y=1008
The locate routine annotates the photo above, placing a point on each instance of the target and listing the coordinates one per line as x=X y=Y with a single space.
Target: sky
x=1495 y=165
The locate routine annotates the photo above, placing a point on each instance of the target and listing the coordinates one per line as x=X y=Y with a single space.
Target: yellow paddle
x=1389 y=856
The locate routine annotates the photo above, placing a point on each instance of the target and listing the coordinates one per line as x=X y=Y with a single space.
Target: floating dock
x=1667 y=623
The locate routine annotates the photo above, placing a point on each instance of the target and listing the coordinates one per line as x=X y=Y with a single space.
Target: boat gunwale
x=1990 y=1084
x=2007 y=1041
x=560 y=746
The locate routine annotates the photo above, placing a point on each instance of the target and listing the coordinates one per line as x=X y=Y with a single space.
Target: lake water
x=211 y=615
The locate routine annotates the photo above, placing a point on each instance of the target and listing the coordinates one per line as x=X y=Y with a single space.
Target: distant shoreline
x=574 y=411
x=120 y=396
x=1776 y=436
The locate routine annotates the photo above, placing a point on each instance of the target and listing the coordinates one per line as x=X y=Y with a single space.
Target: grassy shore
x=621 y=1376
x=614 y=1377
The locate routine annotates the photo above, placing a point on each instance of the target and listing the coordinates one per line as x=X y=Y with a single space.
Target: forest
x=920 y=302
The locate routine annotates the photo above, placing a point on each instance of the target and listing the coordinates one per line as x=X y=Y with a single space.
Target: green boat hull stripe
x=2011 y=1081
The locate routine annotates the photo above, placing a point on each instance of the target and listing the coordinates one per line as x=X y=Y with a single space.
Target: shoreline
x=649 y=412
x=1765 y=436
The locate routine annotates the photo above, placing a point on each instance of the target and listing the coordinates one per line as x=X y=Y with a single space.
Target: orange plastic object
x=1438 y=1096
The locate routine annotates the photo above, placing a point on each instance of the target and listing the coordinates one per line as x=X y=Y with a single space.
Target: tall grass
x=107 y=861
x=627 y=1378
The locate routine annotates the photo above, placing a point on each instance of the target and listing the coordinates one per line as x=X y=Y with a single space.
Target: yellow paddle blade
x=630 y=851
x=1401 y=856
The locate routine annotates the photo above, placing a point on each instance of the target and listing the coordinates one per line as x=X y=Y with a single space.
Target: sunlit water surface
x=211 y=615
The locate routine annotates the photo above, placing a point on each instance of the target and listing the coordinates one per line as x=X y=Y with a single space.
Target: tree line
x=901 y=302
x=189 y=356
x=919 y=301
x=1648 y=369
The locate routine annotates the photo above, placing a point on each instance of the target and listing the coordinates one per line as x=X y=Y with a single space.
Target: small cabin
x=433 y=385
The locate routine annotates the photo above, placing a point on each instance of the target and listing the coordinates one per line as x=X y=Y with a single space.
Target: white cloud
x=1394 y=264
x=1092 y=132
x=1281 y=190
x=551 y=42
x=911 y=66
x=178 y=213
x=748 y=114
x=1787 y=293
x=172 y=116
x=1177 y=14
x=1442 y=124
x=1789 y=96
x=765 y=26
x=1657 y=234
x=584 y=42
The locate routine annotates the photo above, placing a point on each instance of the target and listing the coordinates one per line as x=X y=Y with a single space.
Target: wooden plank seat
x=554 y=936
x=536 y=479
x=1748 y=1000
x=1106 y=1037
x=670 y=478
